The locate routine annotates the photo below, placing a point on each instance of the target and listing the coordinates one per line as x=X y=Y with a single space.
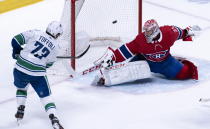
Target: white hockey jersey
x=39 y=51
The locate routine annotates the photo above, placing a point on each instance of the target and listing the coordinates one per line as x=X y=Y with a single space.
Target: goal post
x=99 y=18
x=140 y=16
x=73 y=33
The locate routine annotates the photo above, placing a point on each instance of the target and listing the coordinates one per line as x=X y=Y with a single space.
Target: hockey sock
x=21 y=96
x=49 y=106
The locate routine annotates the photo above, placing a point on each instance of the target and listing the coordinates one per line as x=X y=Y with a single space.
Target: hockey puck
x=115 y=21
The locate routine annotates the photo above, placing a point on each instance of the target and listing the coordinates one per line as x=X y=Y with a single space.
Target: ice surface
x=154 y=103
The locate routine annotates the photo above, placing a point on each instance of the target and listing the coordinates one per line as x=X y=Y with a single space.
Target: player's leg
x=169 y=67
x=42 y=88
x=174 y=69
x=21 y=82
x=188 y=71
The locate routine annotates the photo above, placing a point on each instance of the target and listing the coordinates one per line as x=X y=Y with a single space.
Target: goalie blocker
x=122 y=72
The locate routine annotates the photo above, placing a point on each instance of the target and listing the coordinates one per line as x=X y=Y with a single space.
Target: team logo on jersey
x=158 y=56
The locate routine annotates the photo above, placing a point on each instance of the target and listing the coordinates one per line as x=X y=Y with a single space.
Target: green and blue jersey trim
x=20 y=39
x=48 y=85
x=25 y=64
x=49 y=105
x=21 y=93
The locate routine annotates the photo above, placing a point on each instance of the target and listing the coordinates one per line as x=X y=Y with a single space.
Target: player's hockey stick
x=88 y=70
x=116 y=39
x=74 y=57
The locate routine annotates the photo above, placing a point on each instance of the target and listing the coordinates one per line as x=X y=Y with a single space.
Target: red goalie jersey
x=154 y=44
x=156 y=51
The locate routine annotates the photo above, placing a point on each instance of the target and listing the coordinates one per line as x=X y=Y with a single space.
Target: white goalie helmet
x=54 y=29
x=151 y=30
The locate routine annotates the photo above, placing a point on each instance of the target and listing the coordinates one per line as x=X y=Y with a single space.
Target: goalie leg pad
x=125 y=72
x=189 y=71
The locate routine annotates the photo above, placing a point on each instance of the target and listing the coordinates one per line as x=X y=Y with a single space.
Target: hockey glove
x=107 y=60
x=192 y=31
x=48 y=65
x=16 y=53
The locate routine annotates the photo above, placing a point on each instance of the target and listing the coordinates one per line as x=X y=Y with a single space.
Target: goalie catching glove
x=107 y=60
x=192 y=31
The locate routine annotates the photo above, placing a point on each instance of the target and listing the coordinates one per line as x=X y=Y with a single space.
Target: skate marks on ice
x=157 y=83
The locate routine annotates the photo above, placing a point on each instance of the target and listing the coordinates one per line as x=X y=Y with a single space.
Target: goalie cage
x=106 y=22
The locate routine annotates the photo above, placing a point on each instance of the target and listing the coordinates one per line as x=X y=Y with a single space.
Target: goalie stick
x=88 y=70
x=97 y=67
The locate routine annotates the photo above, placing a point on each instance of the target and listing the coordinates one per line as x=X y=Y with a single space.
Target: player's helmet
x=151 y=30
x=54 y=29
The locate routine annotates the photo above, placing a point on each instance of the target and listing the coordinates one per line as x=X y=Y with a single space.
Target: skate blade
x=19 y=121
x=56 y=126
x=204 y=100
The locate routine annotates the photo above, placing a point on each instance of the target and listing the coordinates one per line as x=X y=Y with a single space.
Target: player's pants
x=169 y=67
x=39 y=83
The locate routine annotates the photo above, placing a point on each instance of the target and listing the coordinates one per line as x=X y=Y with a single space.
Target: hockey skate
x=55 y=122
x=101 y=82
x=98 y=81
x=20 y=113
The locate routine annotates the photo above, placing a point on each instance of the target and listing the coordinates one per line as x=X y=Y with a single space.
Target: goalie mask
x=54 y=29
x=151 y=30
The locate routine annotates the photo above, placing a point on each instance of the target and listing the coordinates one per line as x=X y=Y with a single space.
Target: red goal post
x=107 y=10
x=73 y=32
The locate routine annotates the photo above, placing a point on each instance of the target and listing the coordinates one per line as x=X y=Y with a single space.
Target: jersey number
x=40 y=47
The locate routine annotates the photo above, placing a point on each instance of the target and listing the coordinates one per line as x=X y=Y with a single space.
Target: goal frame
x=73 y=28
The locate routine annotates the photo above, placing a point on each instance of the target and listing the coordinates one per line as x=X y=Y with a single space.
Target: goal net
x=96 y=23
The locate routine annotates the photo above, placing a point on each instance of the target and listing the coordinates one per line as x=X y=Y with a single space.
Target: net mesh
x=101 y=18
x=106 y=22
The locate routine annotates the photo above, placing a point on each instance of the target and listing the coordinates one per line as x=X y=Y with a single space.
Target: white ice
x=155 y=103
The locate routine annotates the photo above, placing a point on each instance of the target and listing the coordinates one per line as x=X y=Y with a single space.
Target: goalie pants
x=169 y=67
x=39 y=83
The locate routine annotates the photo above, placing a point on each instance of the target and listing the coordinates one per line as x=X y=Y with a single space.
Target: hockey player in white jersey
x=35 y=51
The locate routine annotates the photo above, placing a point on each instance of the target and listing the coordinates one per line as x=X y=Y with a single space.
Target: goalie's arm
x=187 y=33
x=107 y=59
x=122 y=53
x=114 y=56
